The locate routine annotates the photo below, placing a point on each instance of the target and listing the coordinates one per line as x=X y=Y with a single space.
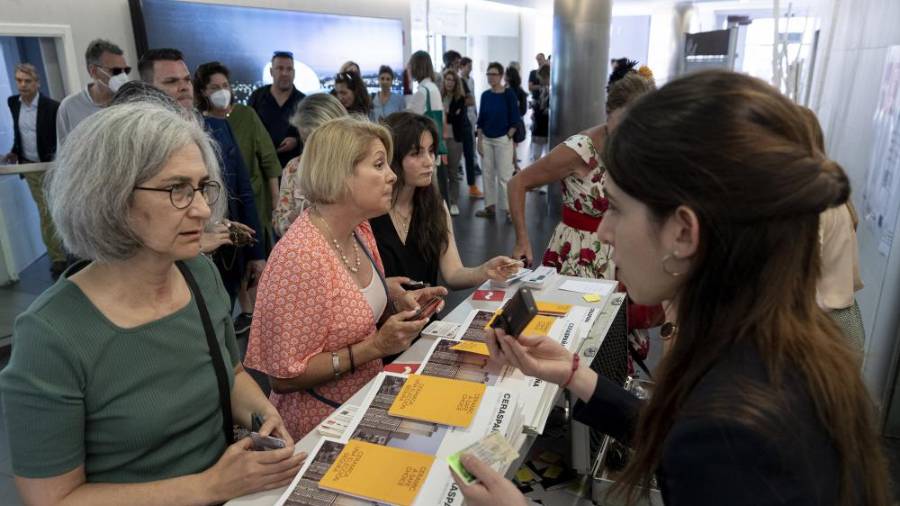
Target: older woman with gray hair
x=125 y=379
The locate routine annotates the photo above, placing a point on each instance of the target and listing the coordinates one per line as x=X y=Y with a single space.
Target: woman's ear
x=682 y=232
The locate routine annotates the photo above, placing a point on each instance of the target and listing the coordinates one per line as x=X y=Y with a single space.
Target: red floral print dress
x=575 y=252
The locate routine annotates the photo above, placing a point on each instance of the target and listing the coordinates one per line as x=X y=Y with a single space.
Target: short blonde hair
x=331 y=154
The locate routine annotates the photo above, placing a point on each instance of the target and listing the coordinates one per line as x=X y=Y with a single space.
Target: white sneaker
x=454 y=210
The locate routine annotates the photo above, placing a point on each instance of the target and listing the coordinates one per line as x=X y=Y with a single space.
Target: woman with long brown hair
x=350 y=89
x=415 y=238
x=715 y=195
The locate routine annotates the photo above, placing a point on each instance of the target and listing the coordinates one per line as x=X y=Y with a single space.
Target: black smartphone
x=427 y=309
x=518 y=311
x=414 y=285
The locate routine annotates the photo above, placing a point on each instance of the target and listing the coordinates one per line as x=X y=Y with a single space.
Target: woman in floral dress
x=574 y=248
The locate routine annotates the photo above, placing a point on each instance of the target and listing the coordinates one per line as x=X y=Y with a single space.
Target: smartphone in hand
x=414 y=285
x=265 y=443
x=427 y=309
x=518 y=311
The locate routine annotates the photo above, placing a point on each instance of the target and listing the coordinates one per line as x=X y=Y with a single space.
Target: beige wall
x=111 y=19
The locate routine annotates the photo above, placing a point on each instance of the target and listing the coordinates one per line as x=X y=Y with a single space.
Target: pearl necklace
x=339 y=249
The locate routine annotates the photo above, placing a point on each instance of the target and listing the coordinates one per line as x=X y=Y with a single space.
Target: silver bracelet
x=336 y=364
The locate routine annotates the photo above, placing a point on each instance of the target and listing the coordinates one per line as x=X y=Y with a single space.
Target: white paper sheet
x=600 y=287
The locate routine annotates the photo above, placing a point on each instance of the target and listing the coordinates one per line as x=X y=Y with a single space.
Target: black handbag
x=519 y=135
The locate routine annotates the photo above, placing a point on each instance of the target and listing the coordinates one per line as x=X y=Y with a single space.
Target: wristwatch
x=336 y=364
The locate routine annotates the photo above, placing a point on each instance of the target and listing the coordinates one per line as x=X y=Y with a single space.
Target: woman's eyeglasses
x=182 y=194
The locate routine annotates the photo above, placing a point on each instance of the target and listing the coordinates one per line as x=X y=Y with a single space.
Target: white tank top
x=375 y=295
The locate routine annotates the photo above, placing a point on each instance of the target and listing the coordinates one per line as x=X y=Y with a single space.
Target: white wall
x=88 y=19
x=537 y=37
x=110 y=19
x=663 y=42
x=853 y=46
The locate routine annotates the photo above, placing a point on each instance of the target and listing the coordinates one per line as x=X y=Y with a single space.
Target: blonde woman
x=325 y=314
x=312 y=112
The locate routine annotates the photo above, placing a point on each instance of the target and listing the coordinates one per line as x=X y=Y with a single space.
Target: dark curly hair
x=201 y=78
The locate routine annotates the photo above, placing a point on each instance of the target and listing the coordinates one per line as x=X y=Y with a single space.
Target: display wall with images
x=244 y=38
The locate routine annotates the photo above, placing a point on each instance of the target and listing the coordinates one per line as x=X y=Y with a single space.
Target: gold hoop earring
x=665 y=259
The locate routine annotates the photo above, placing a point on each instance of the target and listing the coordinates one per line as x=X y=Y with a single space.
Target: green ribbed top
x=133 y=405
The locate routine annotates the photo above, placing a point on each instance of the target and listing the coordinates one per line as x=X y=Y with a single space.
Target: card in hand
x=492 y=449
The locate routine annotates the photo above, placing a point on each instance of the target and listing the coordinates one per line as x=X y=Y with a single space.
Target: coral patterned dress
x=307 y=303
x=575 y=249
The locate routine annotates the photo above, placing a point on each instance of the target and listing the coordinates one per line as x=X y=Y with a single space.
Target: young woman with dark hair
x=715 y=195
x=385 y=102
x=350 y=89
x=415 y=238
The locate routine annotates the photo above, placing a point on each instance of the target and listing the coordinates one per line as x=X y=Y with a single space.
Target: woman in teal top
x=112 y=394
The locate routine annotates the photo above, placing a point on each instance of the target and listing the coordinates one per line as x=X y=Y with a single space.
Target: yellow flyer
x=472 y=347
x=539 y=326
x=378 y=473
x=552 y=308
x=439 y=400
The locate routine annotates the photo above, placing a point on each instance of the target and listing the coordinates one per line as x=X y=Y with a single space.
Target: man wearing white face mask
x=109 y=71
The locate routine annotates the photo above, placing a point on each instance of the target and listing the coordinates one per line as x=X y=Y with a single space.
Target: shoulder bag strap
x=215 y=352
